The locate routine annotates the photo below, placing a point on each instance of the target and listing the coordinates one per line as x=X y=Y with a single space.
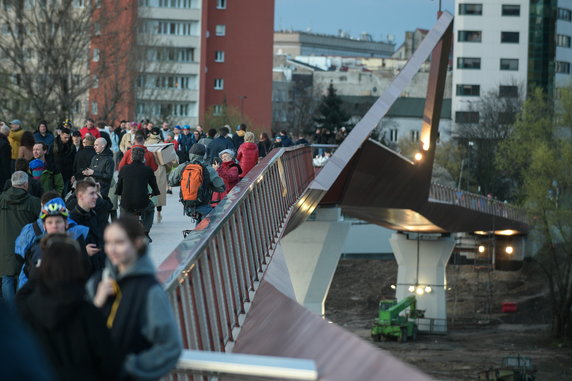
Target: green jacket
x=52 y=181
x=17 y=208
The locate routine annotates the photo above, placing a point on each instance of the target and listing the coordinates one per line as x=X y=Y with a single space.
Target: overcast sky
x=377 y=17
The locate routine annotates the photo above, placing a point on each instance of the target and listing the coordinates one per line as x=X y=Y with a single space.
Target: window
x=217 y=110
x=95 y=83
x=468 y=63
x=414 y=135
x=77 y=107
x=564 y=14
x=509 y=64
x=511 y=10
x=94 y=108
x=467 y=117
x=508 y=91
x=563 y=67
x=563 y=40
x=95 y=55
x=219 y=56
x=221 y=4
x=79 y=3
x=507 y=117
x=469 y=90
x=471 y=9
x=220 y=30
x=469 y=36
x=510 y=37
x=393 y=135
x=218 y=84
x=177 y=28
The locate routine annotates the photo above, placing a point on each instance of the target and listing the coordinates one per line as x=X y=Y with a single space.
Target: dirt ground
x=479 y=336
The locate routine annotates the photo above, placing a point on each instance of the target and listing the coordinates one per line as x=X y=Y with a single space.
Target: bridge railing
x=445 y=194
x=212 y=275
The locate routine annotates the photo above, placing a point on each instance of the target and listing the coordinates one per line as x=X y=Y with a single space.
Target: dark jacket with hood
x=133 y=186
x=238 y=139
x=217 y=146
x=64 y=155
x=71 y=330
x=48 y=138
x=17 y=209
x=143 y=328
x=95 y=234
x=103 y=167
x=82 y=161
x=5 y=158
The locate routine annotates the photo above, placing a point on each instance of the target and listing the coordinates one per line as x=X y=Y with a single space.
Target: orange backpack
x=195 y=181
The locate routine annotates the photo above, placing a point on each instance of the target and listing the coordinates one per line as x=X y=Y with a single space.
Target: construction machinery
x=513 y=368
x=390 y=324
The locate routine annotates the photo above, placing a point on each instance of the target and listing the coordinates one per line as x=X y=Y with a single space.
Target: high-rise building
x=187 y=58
x=508 y=47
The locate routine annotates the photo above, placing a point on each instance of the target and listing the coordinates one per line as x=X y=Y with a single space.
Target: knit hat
x=198 y=149
x=186 y=127
x=37 y=168
x=229 y=151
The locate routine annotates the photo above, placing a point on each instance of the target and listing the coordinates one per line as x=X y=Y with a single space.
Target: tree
x=480 y=141
x=538 y=156
x=331 y=116
x=46 y=51
x=302 y=108
x=228 y=115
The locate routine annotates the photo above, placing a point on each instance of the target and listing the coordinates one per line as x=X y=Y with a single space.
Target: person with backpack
x=198 y=181
x=229 y=171
x=133 y=187
x=55 y=219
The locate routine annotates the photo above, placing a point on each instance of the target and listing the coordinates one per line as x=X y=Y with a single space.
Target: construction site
x=479 y=334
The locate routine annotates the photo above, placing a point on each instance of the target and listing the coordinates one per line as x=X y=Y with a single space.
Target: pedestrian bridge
x=229 y=283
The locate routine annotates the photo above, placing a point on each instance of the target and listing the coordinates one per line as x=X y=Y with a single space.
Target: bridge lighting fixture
x=419 y=291
x=411 y=288
x=393 y=287
x=509 y=250
x=427 y=289
x=418 y=156
x=481 y=249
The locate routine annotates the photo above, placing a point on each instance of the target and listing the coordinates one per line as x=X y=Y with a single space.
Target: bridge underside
x=385 y=188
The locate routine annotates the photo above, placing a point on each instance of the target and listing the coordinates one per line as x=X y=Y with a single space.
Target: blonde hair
x=249 y=137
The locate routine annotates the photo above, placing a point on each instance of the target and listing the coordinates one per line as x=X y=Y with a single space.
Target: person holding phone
x=84 y=214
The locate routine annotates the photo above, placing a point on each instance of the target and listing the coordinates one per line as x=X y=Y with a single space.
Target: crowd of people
x=76 y=211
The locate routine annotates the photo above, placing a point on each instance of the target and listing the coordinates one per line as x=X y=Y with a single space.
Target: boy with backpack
x=198 y=181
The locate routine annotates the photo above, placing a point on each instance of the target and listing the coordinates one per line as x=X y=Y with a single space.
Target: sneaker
x=148 y=237
x=169 y=191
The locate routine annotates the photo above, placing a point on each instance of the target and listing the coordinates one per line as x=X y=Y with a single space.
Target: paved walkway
x=169 y=233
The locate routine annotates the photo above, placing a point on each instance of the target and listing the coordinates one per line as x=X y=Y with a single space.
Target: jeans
x=8 y=288
x=146 y=215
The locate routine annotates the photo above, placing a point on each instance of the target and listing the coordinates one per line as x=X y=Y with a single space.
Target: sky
x=376 y=17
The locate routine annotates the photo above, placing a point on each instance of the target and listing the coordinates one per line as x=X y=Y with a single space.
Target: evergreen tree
x=332 y=116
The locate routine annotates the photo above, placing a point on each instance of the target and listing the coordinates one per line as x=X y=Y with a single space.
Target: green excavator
x=389 y=324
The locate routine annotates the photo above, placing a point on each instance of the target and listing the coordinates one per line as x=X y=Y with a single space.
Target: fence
x=216 y=269
x=441 y=193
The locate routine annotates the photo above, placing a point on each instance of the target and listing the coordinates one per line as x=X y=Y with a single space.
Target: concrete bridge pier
x=312 y=253
x=421 y=261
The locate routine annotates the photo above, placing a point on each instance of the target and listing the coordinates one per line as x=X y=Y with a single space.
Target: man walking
x=17 y=209
x=102 y=166
x=133 y=187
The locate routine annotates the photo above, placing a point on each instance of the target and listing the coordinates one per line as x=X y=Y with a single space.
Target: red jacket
x=247 y=156
x=229 y=173
x=149 y=158
x=92 y=131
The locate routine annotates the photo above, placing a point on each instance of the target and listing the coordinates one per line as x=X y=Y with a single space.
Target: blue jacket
x=28 y=237
x=217 y=146
x=48 y=139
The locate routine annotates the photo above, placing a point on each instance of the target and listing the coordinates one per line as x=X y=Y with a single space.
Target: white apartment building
x=168 y=86
x=490 y=52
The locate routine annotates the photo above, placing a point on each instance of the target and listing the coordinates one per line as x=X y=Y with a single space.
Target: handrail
x=212 y=274
x=246 y=366
x=448 y=195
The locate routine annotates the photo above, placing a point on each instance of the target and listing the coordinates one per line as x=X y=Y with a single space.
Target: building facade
x=187 y=58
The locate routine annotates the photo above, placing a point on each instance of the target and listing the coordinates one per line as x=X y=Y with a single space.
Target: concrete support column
x=312 y=253
x=422 y=263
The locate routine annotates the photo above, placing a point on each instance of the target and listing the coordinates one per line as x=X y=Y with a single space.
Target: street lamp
x=242 y=98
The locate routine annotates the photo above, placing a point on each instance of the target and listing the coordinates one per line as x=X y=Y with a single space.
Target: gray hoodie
x=216 y=182
x=160 y=328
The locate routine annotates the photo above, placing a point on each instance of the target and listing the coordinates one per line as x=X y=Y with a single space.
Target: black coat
x=103 y=167
x=82 y=161
x=5 y=159
x=64 y=155
x=133 y=183
x=34 y=186
x=71 y=330
x=94 y=236
x=264 y=147
x=217 y=146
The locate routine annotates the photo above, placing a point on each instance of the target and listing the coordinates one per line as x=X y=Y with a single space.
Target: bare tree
x=45 y=51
